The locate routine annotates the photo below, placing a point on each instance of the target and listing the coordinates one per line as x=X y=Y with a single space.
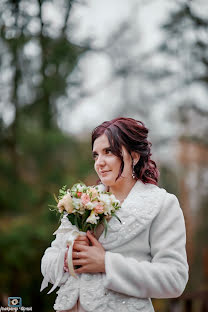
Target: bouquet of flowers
x=81 y=208
x=86 y=206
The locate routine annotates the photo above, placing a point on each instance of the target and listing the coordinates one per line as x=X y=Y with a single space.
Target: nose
x=100 y=162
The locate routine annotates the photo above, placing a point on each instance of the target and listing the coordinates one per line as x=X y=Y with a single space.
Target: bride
x=141 y=258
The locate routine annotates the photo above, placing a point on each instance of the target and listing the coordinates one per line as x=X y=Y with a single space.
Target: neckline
x=138 y=182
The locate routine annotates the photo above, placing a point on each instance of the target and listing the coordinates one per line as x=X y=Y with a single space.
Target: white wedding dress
x=76 y=308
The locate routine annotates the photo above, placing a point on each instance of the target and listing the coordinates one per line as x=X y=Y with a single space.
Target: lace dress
x=76 y=308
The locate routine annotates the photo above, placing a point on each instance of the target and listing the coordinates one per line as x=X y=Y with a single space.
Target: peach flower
x=93 y=191
x=85 y=198
x=65 y=204
x=99 y=208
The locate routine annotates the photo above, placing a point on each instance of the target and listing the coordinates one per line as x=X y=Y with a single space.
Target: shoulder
x=144 y=201
x=158 y=200
x=160 y=194
x=169 y=207
x=141 y=187
x=150 y=193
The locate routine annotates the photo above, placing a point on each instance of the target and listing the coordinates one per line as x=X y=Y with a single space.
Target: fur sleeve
x=167 y=273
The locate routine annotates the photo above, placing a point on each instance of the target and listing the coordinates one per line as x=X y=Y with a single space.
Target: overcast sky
x=99 y=19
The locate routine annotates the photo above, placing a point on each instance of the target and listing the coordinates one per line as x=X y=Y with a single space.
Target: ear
x=135 y=157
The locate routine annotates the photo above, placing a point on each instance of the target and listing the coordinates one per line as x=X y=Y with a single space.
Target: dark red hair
x=132 y=134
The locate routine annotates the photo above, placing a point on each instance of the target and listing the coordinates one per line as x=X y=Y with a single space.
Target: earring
x=133 y=171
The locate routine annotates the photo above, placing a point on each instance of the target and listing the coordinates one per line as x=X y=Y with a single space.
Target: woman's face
x=107 y=165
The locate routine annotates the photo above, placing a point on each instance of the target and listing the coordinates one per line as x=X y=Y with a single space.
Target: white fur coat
x=145 y=257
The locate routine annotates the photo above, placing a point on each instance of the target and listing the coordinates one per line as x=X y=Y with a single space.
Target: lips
x=104 y=172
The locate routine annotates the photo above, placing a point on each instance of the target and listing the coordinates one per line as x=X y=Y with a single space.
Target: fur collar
x=138 y=209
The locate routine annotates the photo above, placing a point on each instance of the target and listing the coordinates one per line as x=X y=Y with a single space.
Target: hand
x=80 y=240
x=90 y=258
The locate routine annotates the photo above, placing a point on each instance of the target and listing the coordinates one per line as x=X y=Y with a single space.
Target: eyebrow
x=104 y=149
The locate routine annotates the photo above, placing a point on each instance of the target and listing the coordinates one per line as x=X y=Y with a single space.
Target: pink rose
x=99 y=208
x=85 y=198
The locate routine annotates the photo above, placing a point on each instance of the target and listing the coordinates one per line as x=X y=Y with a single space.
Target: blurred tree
x=180 y=62
x=180 y=73
x=36 y=158
x=193 y=175
x=186 y=39
x=123 y=54
x=199 y=276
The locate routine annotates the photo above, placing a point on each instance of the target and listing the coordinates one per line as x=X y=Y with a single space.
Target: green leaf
x=76 y=221
x=95 y=228
x=105 y=227
x=71 y=218
x=114 y=215
x=74 y=187
x=53 y=206
x=85 y=216
x=61 y=215
x=56 y=199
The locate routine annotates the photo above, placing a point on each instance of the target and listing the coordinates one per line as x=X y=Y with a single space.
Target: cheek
x=95 y=167
x=115 y=164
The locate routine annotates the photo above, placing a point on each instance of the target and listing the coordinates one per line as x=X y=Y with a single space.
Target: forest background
x=66 y=66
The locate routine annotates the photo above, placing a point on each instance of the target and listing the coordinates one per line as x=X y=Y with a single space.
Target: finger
x=76 y=247
x=83 y=239
x=65 y=256
x=79 y=262
x=65 y=263
x=80 y=243
x=92 y=239
x=80 y=247
x=66 y=269
x=78 y=255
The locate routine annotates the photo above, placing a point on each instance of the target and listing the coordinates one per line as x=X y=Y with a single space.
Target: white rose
x=108 y=209
x=80 y=187
x=92 y=218
x=101 y=188
x=105 y=198
x=89 y=206
x=77 y=203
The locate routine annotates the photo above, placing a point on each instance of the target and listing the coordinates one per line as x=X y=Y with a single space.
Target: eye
x=108 y=151
x=94 y=156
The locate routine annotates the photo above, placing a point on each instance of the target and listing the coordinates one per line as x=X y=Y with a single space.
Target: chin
x=107 y=182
